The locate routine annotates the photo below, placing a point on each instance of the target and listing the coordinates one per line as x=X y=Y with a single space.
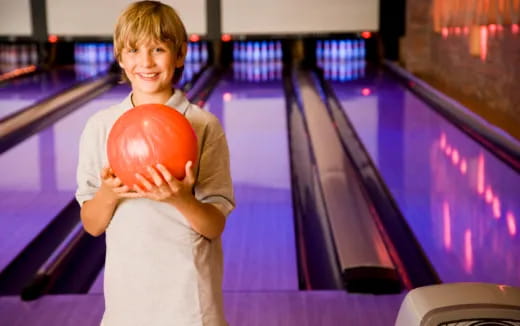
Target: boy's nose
x=146 y=59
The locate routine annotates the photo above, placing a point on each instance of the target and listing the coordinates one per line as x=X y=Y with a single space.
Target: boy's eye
x=131 y=50
x=159 y=50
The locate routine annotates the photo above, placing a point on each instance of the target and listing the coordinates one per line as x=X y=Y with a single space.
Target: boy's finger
x=189 y=178
x=113 y=182
x=164 y=172
x=121 y=189
x=155 y=176
x=138 y=189
x=131 y=195
x=172 y=182
x=144 y=182
x=166 y=175
x=104 y=172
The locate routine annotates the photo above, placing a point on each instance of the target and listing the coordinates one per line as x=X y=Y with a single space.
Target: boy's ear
x=182 y=55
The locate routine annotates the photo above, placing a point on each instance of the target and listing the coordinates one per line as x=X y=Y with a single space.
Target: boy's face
x=150 y=67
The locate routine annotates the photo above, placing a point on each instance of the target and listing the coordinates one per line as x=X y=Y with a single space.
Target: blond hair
x=144 y=21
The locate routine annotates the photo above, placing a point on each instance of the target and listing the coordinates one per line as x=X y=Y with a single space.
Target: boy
x=164 y=257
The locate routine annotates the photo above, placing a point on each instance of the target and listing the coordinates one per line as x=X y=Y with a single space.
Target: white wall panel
x=299 y=16
x=15 y=18
x=98 y=17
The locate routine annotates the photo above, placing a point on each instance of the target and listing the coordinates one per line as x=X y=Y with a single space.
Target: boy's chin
x=151 y=89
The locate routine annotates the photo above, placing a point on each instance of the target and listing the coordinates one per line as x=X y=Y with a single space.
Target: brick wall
x=490 y=87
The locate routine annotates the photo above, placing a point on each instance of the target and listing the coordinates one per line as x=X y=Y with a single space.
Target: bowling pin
x=342 y=73
x=110 y=52
x=271 y=51
x=319 y=49
x=256 y=52
x=349 y=49
x=334 y=51
x=24 y=55
x=326 y=50
x=278 y=50
x=102 y=53
x=196 y=52
x=249 y=52
x=2 y=53
x=236 y=48
x=263 y=51
x=189 y=53
x=249 y=74
x=236 y=74
x=204 y=52
x=342 y=49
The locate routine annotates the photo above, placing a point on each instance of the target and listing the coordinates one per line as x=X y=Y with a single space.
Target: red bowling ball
x=147 y=135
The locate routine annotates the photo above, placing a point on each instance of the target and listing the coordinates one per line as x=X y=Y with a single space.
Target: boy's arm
x=213 y=190
x=96 y=214
x=204 y=218
x=97 y=193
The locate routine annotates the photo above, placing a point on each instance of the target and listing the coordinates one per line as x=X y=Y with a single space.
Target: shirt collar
x=177 y=101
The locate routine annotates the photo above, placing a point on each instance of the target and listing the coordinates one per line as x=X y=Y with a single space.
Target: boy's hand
x=166 y=187
x=112 y=188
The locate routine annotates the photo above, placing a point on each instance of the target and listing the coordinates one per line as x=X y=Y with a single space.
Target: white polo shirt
x=158 y=270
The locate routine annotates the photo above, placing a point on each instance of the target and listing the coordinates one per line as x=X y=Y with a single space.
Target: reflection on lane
x=260 y=232
x=461 y=202
x=475 y=205
x=25 y=91
x=40 y=176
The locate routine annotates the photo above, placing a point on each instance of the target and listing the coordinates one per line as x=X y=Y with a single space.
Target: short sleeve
x=214 y=183
x=89 y=162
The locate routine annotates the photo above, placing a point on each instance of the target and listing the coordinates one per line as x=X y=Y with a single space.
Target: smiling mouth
x=150 y=76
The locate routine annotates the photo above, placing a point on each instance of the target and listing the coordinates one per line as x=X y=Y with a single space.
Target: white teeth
x=148 y=75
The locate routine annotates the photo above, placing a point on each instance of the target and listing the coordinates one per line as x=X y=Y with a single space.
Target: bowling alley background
x=470 y=50
x=477 y=39
x=374 y=145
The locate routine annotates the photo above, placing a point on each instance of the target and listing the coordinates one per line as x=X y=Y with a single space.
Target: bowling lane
x=462 y=203
x=39 y=176
x=9 y=67
x=259 y=241
x=20 y=93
